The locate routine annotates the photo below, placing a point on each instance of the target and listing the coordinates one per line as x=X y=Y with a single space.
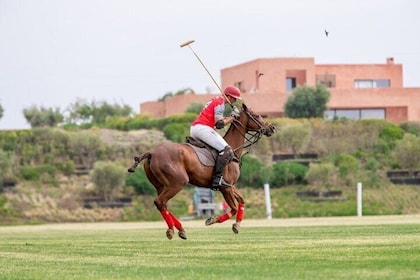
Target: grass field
x=380 y=247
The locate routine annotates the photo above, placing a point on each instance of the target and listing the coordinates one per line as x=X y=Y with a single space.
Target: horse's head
x=254 y=122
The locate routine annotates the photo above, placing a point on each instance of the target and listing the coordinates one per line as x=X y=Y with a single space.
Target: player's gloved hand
x=235 y=112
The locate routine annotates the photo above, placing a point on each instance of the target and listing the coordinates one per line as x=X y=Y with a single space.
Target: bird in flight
x=326 y=32
x=260 y=74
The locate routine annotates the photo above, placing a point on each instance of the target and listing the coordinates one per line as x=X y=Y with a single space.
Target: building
x=357 y=90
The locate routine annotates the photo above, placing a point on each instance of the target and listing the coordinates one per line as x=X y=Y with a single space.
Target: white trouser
x=209 y=136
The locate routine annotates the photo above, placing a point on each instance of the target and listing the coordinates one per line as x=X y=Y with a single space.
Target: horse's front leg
x=241 y=209
x=231 y=196
x=222 y=218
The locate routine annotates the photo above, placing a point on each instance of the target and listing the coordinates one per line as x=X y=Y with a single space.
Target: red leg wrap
x=240 y=214
x=177 y=223
x=224 y=217
x=166 y=215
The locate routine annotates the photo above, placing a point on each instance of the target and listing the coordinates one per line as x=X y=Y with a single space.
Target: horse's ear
x=244 y=107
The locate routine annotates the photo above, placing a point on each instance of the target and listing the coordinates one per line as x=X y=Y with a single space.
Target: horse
x=170 y=166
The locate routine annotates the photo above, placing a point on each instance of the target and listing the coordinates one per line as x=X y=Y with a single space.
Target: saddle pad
x=206 y=157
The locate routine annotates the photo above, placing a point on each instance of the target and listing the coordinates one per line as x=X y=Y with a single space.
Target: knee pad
x=227 y=155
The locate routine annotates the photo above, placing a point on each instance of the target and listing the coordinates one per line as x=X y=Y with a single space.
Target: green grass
x=318 y=252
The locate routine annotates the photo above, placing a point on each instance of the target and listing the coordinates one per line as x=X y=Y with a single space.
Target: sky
x=54 y=52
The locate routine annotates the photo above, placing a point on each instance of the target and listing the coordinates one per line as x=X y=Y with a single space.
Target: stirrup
x=219 y=182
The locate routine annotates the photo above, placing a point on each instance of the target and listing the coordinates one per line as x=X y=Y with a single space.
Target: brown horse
x=170 y=166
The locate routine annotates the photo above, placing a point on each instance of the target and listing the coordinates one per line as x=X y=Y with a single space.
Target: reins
x=251 y=136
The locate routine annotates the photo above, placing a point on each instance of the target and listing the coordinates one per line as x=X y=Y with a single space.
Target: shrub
x=183 y=118
x=33 y=173
x=407 y=152
x=176 y=132
x=287 y=173
x=411 y=127
x=391 y=134
x=140 y=183
x=321 y=175
x=253 y=172
x=108 y=179
x=348 y=167
x=67 y=168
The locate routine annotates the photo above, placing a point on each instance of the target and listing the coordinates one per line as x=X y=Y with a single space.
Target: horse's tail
x=138 y=159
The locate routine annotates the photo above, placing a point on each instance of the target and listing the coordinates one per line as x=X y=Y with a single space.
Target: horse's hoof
x=211 y=221
x=182 y=234
x=170 y=233
x=131 y=170
x=235 y=228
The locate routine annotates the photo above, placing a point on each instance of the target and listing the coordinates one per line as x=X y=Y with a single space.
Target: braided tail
x=138 y=159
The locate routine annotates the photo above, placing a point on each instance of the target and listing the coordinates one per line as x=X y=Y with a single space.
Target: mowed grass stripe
x=315 y=252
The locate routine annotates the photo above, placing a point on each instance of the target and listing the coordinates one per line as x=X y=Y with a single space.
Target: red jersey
x=214 y=108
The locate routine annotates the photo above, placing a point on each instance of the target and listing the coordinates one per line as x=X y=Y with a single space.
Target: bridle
x=251 y=135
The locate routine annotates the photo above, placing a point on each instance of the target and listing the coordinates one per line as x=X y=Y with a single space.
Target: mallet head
x=187 y=43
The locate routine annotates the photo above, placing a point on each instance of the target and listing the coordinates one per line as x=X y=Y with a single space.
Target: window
x=381 y=83
x=355 y=114
x=349 y=114
x=290 y=84
x=326 y=80
x=239 y=85
x=373 y=114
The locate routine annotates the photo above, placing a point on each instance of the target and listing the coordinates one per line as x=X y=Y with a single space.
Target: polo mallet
x=188 y=43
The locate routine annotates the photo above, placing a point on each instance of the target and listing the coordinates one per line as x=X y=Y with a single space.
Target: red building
x=357 y=90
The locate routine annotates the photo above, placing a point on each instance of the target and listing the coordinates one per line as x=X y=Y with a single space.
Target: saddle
x=206 y=153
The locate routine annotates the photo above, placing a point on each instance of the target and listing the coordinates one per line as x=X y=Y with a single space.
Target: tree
x=296 y=136
x=307 y=102
x=108 y=179
x=1 y=112
x=38 y=117
x=82 y=112
x=195 y=108
x=179 y=92
x=407 y=152
x=85 y=148
x=6 y=163
x=176 y=132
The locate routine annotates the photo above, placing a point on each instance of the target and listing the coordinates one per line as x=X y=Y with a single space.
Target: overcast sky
x=128 y=51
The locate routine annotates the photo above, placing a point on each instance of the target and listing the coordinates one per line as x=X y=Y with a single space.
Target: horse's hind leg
x=170 y=219
x=240 y=214
x=164 y=194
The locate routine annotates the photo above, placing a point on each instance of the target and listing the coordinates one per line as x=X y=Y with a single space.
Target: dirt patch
x=291 y=222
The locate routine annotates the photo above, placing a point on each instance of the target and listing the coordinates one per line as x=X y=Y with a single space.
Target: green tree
x=307 y=102
x=321 y=175
x=85 y=148
x=296 y=136
x=348 y=167
x=170 y=94
x=287 y=173
x=39 y=117
x=140 y=183
x=407 y=152
x=253 y=172
x=177 y=132
x=195 y=108
x=6 y=162
x=82 y=112
x=108 y=179
x=1 y=112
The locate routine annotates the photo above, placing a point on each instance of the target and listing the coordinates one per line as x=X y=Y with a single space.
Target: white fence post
x=267 y=200
x=359 y=199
